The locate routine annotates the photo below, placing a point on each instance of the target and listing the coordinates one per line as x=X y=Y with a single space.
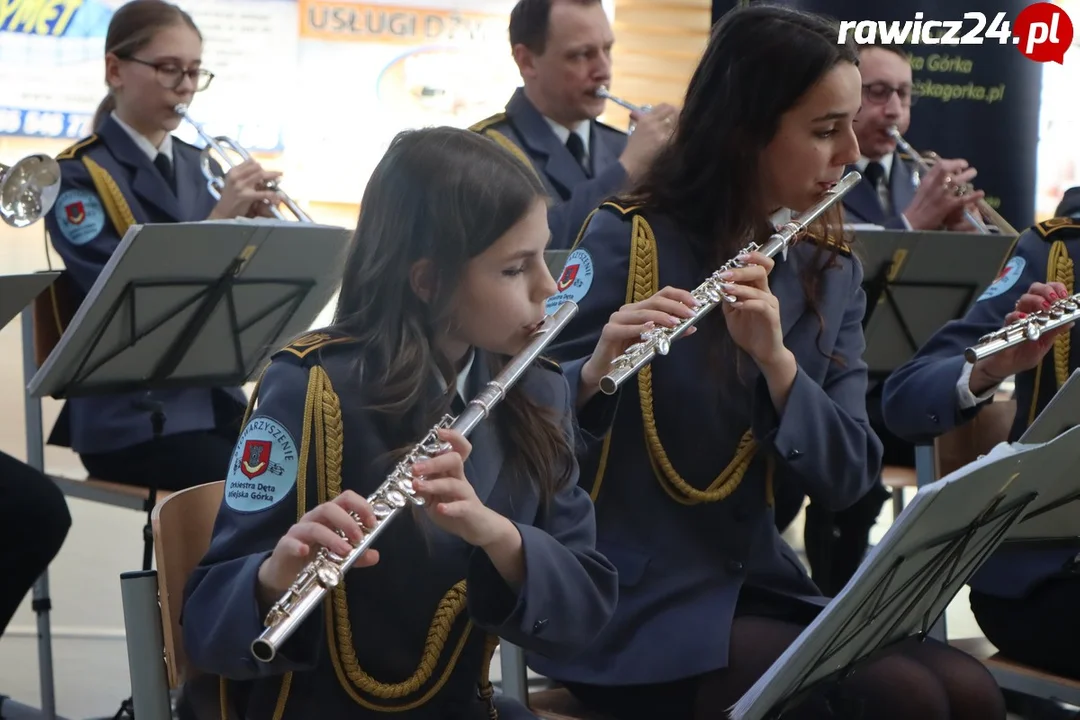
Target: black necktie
x=457 y=405
x=576 y=146
x=875 y=173
x=164 y=166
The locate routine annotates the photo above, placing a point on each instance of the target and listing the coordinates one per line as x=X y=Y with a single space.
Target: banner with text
x=979 y=94
x=52 y=68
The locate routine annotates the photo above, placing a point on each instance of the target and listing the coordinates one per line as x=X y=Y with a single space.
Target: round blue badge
x=263 y=468
x=80 y=216
x=575 y=281
x=1008 y=277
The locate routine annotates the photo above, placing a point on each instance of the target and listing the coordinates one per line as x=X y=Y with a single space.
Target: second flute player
x=1025 y=596
x=443 y=289
x=770 y=387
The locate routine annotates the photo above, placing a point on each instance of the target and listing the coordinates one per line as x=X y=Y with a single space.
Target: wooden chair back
x=966 y=443
x=183 y=524
x=53 y=311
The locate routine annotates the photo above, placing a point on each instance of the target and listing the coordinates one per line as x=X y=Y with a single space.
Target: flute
x=327 y=570
x=1061 y=312
x=710 y=293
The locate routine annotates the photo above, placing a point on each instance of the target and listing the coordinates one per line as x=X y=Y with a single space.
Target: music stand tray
x=915 y=282
x=199 y=304
x=908 y=579
x=18 y=291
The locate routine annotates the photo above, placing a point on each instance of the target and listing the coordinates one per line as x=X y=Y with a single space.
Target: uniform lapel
x=786 y=285
x=189 y=181
x=863 y=201
x=486 y=459
x=146 y=181
x=555 y=160
x=901 y=188
x=601 y=153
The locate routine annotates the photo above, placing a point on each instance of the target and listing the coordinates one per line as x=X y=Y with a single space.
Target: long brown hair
x=133 y=27
x=446 y=195
x=760 y=60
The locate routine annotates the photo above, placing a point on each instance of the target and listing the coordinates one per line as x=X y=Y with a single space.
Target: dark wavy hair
x=446 y=195
x=760 y=61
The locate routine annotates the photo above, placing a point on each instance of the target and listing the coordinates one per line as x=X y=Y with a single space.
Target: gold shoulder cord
x=642 y=281
x=323 y=424
x=116 y=207
x=1059 y=268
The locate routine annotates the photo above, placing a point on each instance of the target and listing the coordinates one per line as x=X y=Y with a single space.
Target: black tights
x=922 y=680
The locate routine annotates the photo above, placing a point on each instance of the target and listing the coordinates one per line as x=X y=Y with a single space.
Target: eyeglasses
x=880 y=93
x=170 y=75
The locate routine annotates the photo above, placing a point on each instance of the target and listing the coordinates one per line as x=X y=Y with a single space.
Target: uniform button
x=793 y=453
x=539 y=625
x=933 y=418
x=734 y=566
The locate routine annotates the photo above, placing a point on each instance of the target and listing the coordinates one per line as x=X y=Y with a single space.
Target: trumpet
x=327 y=570
x=1061 y=312
x=28 y=189
x=924 y=161
x=710 y=293
x=215 y=183
x=603 y=93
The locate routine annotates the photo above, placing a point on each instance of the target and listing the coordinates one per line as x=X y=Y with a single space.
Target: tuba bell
x=28 y=189
x=215 y=182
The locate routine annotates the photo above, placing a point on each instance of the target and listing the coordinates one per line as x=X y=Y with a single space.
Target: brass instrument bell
x=28 y=189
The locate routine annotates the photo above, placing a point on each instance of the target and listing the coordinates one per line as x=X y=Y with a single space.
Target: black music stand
x=908 y=579
x=198 y=304
x=915 y=282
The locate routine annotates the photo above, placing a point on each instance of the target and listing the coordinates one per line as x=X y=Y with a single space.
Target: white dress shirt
x=144 y=144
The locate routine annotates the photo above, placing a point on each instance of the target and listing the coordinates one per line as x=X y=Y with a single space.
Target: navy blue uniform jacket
x=107 y=185
x=574 y=193
x=682 y=459
x=920 y=400
x=427 y=611
x=862 y=205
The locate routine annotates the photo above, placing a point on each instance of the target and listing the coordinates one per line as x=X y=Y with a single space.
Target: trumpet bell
x=28 y=189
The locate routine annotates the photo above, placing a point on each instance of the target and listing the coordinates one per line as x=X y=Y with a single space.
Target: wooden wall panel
x=657 y=46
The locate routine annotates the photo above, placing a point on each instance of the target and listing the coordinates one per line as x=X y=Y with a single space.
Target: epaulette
x=488 y=122
x=303 y=346
x=73 y=151
x=548 y=364
x=1057 y=225
x=620 y=208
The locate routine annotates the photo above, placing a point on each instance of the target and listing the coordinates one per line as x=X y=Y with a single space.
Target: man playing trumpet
x=563 y=50
x=888 y=195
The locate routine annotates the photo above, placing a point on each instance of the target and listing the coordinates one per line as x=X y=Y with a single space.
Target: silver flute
x=327 y=570
x=1061 y=312
x=710 y=293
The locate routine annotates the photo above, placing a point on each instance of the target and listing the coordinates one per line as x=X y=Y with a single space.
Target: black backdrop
x=978 y=102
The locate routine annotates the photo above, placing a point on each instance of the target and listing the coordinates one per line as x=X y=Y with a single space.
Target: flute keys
x=396 y=498
x=381 y=510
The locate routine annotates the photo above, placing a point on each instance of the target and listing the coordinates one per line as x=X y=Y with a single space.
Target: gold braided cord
x=642 y=282
x=286 y=682
x=330 y=438
x=486 y=690
x=116 y=206
x=1060 y=268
